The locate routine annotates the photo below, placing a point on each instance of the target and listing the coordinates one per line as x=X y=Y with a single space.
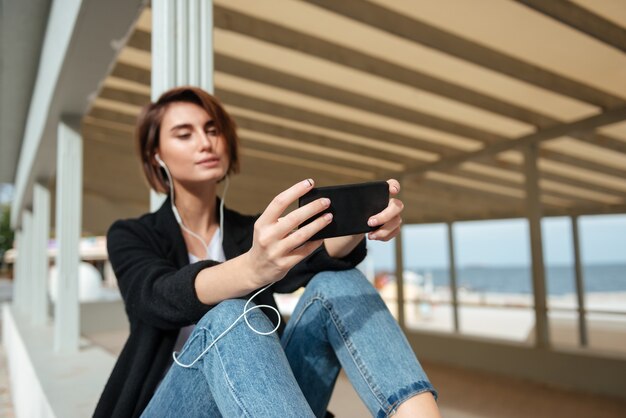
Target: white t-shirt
x=215 y=252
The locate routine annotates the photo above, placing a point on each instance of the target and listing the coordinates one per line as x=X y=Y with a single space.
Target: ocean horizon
x=560 y=279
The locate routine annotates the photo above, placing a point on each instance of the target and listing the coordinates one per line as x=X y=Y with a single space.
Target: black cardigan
x=151 y=263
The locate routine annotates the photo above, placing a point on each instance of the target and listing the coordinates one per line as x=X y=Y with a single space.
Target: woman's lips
x=208 y=162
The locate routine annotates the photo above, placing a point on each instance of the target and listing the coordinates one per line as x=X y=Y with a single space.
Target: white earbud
x=159 y=160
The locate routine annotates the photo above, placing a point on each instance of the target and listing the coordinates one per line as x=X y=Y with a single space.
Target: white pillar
x=453 y=285
x=18 y=270
x=22 y=274
x=205 y=45
x=400 y=279
x=68 y=228
x=182 y=50
x=580 y=288
x=536 y=246
x=25 y=302
x=41 y=235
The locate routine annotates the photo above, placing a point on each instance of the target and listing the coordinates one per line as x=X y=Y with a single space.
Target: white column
x=22 y=275
x=453 y=285
x=41 y=235
x=205 y=45
x=193 y=40
x=163 y=46
x=182 y=42
x=182 y=50
x=18 y=270
x=400 y=278
x=26 y=253
x=536 y=246
x=68 y=228
x=580 y=288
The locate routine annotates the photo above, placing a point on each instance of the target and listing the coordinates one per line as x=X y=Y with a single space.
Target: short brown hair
x=148 y=131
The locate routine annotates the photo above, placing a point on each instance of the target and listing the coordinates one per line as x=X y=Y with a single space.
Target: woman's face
x=190 y=145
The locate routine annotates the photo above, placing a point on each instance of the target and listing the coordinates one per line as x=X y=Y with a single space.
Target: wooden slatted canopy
x=442 y=95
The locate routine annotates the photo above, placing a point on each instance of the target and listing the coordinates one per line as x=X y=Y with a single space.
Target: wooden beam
x=587 y=124
x=602 y=140
x=113 y=116
x=455 y=192
x=264 y=75
x=337 y=171
x=520 y=186
x=141 y=40
x=121 y=95
x=451 y=198
x=517 y=168
x=286 y=147
x=129 y=72
x=258 y=73
x=277 y=109
x=578 y=17
x=301 y=42
x=124 y=96
x=318 y=139
x=301 y=85
x=390 y=71
x=420 y=32
x=267 y=106
x=582 y=163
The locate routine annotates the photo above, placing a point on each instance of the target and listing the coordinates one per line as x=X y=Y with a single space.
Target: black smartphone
x=351 y=206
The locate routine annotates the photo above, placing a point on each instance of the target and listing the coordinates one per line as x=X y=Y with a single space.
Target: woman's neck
x=196 y=206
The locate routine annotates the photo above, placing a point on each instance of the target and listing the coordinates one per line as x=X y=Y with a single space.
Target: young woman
x=187 y=271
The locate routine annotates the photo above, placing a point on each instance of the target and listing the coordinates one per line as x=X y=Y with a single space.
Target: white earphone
x=246 y=310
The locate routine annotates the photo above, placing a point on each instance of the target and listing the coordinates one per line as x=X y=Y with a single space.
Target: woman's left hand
x=390 y=218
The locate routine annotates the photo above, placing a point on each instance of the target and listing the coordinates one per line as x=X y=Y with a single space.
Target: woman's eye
x=211 y=132
x=184 y=136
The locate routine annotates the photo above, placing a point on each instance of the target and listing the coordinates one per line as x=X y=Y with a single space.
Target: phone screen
x=351 y=206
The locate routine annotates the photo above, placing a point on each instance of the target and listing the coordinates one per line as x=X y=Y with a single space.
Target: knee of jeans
x=344 y=282
x=224 y=313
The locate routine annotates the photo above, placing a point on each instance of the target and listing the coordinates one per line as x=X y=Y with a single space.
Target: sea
x=560 y=280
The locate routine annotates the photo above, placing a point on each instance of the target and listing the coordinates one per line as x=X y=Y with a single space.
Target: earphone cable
x=246 y=310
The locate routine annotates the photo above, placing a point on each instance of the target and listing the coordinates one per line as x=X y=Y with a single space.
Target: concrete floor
x=467 y=394
x=470 y=394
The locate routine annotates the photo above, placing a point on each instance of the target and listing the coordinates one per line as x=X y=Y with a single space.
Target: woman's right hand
x=277 y=245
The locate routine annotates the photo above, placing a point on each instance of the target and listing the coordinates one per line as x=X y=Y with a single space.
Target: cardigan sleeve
x=155 y=291
x=317 y=262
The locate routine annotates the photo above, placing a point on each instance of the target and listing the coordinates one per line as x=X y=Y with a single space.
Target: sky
x=506 y=243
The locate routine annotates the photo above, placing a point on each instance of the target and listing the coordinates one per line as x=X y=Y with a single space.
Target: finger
x=301 y=235
x=285 y=198
x=394 y=186
x=386 y=229
x=292 y=220
x=386 y=237
x=394 y=208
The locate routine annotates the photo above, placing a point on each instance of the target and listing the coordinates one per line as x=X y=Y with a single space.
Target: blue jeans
x=339 y=322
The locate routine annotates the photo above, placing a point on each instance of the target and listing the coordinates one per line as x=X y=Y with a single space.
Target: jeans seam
x=231 y=388
x=287 y=338
x=353 y=354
